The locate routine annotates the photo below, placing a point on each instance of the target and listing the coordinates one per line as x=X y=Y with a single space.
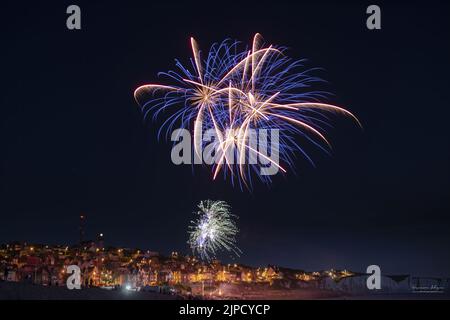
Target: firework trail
x=213 y=231
x=235 y=91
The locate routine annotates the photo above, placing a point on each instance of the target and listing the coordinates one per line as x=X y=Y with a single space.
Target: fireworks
x=235 y=91
x=214 y=230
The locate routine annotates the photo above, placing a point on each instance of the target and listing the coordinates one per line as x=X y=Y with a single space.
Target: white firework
x=214 y=230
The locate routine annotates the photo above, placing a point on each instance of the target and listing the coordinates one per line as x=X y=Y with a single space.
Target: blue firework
x=240 y=94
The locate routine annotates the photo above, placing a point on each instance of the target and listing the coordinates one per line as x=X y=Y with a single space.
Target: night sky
x=74 y=140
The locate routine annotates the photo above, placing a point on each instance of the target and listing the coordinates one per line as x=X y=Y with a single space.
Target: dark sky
x=74 y=139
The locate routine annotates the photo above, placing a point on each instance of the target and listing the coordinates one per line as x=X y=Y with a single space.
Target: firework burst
x=235 y=91
x=213 y=231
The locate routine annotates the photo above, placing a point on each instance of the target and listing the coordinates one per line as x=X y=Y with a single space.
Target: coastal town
x=111 y=267
x=103 y=266
x=115 y=268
